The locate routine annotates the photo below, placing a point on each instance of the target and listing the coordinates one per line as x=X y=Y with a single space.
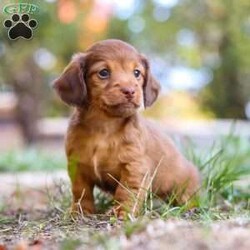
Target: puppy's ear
x=151 y=87
x=71 y=86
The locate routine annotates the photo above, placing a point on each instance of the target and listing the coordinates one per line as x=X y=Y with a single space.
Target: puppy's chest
x=101 y=154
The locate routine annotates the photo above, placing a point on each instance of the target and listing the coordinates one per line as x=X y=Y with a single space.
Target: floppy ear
x=71 y=86
x=151 y=87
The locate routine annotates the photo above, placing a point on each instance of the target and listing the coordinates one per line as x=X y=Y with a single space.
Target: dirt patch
x=179 y=234
x=34 y=215
x=49 y=230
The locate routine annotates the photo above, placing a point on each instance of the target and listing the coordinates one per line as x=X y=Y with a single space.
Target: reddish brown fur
x=108 y=143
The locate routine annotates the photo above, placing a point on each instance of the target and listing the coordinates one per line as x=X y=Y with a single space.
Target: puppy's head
x=110 y=76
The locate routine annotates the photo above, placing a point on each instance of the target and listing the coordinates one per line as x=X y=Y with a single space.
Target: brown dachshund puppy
x=108 y=143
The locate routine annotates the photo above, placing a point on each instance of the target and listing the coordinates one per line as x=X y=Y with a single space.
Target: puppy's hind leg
x=188 y=191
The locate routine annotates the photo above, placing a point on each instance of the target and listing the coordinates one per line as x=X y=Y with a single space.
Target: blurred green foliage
x=30 y=160
x=200 y=34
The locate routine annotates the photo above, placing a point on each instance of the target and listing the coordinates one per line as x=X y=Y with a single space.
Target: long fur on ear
x=71 y=86
x=151 y=87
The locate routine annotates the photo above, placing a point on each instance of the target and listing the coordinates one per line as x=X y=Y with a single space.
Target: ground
x=34 y=215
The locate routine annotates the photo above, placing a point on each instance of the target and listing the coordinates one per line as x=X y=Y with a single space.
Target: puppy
x=108 y=143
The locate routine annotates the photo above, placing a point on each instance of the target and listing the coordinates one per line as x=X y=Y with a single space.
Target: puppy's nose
x=128 y=91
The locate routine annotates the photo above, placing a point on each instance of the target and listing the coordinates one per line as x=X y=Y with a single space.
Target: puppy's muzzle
x=128 y=92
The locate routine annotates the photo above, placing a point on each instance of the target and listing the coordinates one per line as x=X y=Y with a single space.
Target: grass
x=222 y=168
x=225 y=201
x=30 y=160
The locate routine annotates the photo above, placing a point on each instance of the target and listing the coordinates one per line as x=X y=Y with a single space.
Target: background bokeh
x=198 y=49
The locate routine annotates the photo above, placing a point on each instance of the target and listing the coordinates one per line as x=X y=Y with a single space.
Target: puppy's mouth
x=121 y=109
x=129 y=104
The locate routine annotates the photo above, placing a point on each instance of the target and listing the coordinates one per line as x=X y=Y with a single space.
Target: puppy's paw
x=77 y=210
x=118 y=212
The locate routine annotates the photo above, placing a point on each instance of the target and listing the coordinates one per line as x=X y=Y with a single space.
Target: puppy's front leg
x=132 y=190
x=82 y=191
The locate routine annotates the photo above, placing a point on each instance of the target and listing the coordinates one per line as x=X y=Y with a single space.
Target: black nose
x=128 y=91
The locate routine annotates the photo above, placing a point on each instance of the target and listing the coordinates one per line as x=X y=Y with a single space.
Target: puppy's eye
x=137 y=73
x=104 y=73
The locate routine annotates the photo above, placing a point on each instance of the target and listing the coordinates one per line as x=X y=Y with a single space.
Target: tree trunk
x=226 y=97
x=27 y=84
